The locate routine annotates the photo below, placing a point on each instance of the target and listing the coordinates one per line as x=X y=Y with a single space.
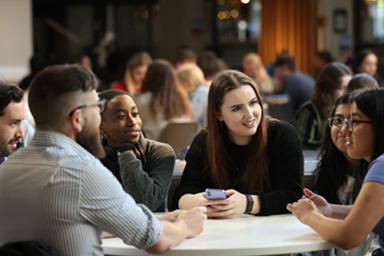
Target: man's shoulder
x=52 y=157
x=300 y=76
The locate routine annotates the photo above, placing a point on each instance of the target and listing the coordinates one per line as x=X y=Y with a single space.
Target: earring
x=103 y=135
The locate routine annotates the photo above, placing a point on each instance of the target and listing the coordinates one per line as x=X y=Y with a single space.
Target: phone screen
x=215 y=194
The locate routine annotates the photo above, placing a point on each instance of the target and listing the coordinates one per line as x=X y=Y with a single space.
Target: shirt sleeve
x=104 y=203
x=148 y=186
x=285 y=168
x=376 y=170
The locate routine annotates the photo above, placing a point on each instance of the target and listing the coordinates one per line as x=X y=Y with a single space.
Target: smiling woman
x=143 y=166
x=257 y=160
x=348 y=226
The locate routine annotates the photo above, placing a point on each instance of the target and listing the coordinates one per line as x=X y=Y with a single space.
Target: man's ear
x=76 y=120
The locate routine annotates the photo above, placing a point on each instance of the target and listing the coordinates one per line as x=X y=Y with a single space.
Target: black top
x=147 y=177
x=285 y=157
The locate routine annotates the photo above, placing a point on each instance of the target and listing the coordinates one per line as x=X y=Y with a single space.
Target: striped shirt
x=56 y=192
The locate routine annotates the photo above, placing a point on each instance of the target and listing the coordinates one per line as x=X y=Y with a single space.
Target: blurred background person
x=290 y=81
x=162 y=99
x=191 y=78
x=135 y=71
x=185 y=55
x=365 y=61
x=311 y=117
x=36 y=63
x=254 y=68
x=362 y=81
x=211 y=65
x=320 y=60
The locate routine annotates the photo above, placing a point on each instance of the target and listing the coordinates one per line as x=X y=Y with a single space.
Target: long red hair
x=256 y=177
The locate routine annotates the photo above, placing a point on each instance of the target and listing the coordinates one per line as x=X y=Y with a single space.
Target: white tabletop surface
x=245 y=235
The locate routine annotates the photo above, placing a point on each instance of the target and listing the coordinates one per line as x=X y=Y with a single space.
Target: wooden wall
x=289 y=25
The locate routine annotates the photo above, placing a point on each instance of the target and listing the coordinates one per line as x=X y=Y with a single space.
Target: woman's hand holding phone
x=234 y=205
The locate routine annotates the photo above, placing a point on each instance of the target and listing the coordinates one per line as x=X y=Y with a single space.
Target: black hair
x=110 y=94
x=371 y=103
x=285 y=60
x=8 y=94
x=362 y=81
x=333 y=169
x=359 y=58
x=325 y=56
x=53 y=82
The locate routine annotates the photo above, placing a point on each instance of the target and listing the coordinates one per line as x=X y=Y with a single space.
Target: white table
x=245 y=235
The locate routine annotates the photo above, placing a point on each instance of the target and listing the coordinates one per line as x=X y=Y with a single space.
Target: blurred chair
x=280 y=107
x=176 y=178
x=179 y=135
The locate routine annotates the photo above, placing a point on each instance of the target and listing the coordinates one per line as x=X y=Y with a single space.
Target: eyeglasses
x=100 y=104
x=339 y=121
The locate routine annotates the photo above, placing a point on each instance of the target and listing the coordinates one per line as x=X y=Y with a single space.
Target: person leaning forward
x=55 y=191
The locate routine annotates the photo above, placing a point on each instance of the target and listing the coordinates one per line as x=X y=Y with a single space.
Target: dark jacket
x=146 y=177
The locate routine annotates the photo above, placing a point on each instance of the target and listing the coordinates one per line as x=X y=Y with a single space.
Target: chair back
x=282 y=111
x=179 y=135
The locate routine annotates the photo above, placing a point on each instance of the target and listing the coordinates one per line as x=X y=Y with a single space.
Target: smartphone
x=215 y=194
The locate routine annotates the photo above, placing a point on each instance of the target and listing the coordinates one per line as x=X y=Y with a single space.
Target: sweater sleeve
x=195 y=178
x=148 y=186
x=285 y=168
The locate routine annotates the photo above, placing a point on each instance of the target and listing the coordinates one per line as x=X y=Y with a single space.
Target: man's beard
x=5 y=149
x=91 y=142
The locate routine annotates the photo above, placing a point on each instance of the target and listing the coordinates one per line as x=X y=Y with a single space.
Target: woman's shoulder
x=142 y=98
x=281 y=130
x=276 y=125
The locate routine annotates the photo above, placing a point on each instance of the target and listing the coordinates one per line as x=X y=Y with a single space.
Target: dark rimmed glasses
x=339 y=121
x=100 y=104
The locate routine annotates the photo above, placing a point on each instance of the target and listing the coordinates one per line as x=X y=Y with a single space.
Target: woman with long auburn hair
x=256 y=160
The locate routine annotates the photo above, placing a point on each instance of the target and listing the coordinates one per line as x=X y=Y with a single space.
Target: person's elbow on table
x=188 y=224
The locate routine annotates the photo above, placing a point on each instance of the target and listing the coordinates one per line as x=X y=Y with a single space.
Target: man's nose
x=19 y=132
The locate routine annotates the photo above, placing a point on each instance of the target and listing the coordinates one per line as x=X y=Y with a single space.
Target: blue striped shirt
x=56 y=192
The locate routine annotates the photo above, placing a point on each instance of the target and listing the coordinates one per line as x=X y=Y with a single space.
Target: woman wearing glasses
x=338 y=177
x=348 y=226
